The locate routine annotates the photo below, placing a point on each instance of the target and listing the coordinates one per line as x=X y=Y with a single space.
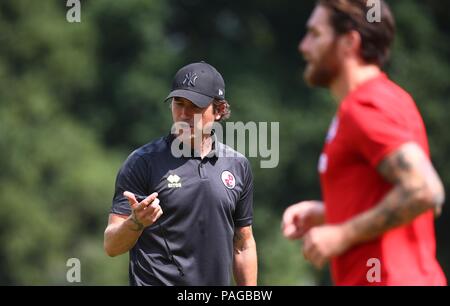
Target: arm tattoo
x=402 y=162
x=391 y=166
x=414 y=178
x=392 y=214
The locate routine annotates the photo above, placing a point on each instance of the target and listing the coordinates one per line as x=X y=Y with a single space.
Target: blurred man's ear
x=352 y=43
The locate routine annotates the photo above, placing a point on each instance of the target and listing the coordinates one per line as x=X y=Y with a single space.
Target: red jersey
x=373 y=121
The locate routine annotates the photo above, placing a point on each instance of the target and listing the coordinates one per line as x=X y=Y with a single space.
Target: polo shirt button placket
x=201 y=170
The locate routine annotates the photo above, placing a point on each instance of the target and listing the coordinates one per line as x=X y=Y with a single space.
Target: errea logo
x=174 y=181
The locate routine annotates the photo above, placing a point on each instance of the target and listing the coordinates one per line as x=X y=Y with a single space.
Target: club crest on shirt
x=174 y=181
x=228 y=179
x=332 y=131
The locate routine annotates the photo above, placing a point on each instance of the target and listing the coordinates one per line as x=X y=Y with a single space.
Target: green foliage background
x=77 y=98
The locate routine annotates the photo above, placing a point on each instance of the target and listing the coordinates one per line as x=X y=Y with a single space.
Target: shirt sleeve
x=243 y=215
x=133 y=177
x=375 y=132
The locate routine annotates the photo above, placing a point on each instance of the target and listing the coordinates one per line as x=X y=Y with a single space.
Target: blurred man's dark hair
x=376 y=37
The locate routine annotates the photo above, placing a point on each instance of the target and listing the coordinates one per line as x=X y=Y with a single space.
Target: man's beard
x=325 y=69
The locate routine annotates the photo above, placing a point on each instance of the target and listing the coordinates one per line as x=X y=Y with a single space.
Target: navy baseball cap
x=200 y=83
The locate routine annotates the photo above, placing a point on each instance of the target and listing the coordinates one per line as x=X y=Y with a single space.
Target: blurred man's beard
x=324 y=70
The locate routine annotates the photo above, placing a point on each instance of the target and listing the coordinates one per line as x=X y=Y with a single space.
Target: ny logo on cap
x=190 y=79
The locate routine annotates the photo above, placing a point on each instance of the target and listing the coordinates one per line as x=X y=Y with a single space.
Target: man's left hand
x=321 y=243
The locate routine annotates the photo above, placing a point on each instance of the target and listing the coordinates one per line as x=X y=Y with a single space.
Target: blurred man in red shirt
x=380 y=190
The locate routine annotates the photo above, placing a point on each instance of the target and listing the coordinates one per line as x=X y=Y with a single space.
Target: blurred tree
x=56 y=176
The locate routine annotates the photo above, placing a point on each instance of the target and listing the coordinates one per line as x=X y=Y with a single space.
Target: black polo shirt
x=203 y=200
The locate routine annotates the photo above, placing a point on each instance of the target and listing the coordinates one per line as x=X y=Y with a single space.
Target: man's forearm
x=399 y=207
x=245 y=265
x=121 y=237
x=417 y=188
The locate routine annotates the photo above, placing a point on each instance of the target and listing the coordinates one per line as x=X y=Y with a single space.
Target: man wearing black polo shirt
x=186 y=220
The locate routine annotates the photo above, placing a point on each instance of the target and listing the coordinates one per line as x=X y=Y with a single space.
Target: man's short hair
x=376 y=37
x=225 y=110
